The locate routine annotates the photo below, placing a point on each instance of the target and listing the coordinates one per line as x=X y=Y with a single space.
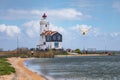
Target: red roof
x=49 y=33
x=44 y=16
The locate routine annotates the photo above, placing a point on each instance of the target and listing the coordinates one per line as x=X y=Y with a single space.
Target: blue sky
x=21 y=18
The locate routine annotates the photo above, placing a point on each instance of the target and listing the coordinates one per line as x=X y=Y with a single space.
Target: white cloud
x=32 y=28
x=85 y=26
x=82 y=28
x=69 y=13
x=116 y=5
x=66 y=13
x=77 y=27
x=9 y=30
x=57 y=28
x=30 y=33
x=2 y=27
x=32 y=24
x=115 y=34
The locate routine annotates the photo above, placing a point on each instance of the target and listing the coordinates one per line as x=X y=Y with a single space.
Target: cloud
x=10 y=30
x=68 y=13
x=116 y=5
x=2 y=27
x=65 y=13
x=32 y=28
x=84 y=26
x=33 y=24
x=115 y=34
x=30 y=33
x=57 y=28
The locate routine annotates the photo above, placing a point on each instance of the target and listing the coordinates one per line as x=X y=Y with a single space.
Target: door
x=56 y=44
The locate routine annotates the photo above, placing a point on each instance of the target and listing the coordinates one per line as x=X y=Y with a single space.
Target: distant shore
x=70 y=55
x=22 y=73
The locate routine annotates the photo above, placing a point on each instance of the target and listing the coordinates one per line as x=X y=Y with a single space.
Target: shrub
x=77 y=51
x=5 y=67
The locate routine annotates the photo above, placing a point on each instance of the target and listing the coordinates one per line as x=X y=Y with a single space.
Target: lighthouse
x=48 y=39
x=44 y=25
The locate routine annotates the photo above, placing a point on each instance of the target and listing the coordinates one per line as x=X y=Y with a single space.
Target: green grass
x=5 y=67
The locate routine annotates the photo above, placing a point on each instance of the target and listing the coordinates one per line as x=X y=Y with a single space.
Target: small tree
x=77 y=51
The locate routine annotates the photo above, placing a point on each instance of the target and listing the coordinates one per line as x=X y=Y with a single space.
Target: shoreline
x=22 y=72
x=78 y=55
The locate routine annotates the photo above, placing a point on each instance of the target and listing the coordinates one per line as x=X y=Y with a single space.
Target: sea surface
x=77 y=68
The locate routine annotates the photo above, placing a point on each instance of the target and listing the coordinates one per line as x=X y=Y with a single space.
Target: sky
x=19 y=23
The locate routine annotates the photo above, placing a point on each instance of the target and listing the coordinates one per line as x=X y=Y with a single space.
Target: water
x=78 y=68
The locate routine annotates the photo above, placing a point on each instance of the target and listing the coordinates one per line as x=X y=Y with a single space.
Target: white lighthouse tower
x=44 y=26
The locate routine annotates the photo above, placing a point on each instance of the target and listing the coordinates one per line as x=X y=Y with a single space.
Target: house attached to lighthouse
x=49 y=39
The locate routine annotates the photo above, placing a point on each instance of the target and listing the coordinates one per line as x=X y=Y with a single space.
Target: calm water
x=78 y=68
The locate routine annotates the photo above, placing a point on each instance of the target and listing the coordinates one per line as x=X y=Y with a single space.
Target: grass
x=5 y=67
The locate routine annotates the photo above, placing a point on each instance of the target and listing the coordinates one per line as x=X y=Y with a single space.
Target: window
x=44 y=43
x=58 y=38
x=56 y=44
x=54 y=37
x=46 y=25
x=47 y=38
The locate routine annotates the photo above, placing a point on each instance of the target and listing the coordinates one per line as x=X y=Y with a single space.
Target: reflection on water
x=78 y=68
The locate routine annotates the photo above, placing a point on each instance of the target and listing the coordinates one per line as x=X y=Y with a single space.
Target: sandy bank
x=22 y=73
